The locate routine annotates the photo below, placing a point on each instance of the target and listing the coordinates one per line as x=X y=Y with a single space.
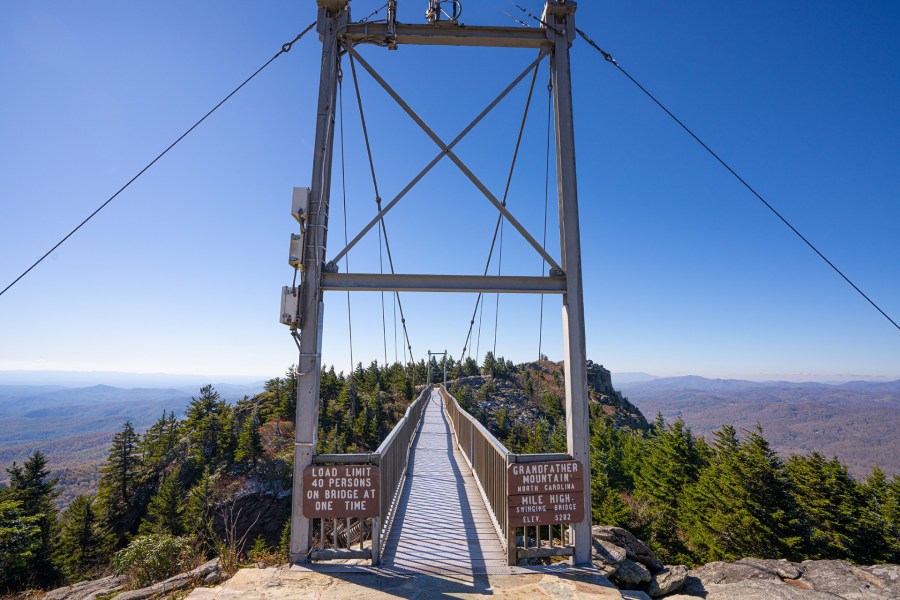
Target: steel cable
x=487 y=266
x=285 y=48
x=383 y=228
x=609 y=58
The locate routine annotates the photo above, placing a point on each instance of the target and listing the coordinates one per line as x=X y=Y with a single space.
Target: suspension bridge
x=438 y=497
x=441 y=494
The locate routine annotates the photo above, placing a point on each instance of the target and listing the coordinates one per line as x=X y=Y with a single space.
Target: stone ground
x=277 y=583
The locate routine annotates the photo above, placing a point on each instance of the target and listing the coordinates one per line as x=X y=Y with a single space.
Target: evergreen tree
x=891 y=511
x=743 y=503
x=84 y=545
x=612 y=510
x=208 y=423
x=826 y=493
x=489 y=367
x=157 y=448
x=249 y=446
x=32 y=487
x=670 y=463
x=20 y=543
x=166 y=508
x=876 y=539
x=118 y=481
x=198 y=515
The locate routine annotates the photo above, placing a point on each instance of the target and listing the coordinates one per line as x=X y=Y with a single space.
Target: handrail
x=489 y=459
x=393 y=458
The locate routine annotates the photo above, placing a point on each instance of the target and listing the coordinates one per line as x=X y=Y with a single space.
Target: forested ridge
x=696 y=499
x=188 y=489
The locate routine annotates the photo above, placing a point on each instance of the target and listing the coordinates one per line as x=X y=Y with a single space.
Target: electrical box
x=300 y=203
x=295 y=256
x=290 y=306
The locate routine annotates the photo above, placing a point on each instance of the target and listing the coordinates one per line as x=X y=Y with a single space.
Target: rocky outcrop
x=178 y=582
x=630 y=564
x=759 y=579
x=634 y=548
x=87 y=590
x=667 y=580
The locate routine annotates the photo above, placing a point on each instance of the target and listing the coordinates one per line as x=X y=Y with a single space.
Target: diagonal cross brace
x=446 y=150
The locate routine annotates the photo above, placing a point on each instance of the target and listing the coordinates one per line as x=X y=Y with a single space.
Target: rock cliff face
x=511 y=394
x=625 y=414
x=631 y=566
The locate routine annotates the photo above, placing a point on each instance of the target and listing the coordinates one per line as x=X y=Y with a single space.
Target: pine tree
x=875 y=539
x=249 y=446
x=891 y=511
x=118 y=482
x=743 y=504
x=197 y=516
x=166 y=508
x=20 y=542
x=669 y=465
x=32 y=487
x=157 y=448
x=208 y=421
x=84 y=545
x=826 y=493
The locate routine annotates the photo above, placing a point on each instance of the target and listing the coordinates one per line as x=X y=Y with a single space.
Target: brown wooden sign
x=335 y=492
x=545 y=493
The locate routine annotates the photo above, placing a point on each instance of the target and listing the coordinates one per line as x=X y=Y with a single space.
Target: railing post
x=511 y=547
x=376 y=541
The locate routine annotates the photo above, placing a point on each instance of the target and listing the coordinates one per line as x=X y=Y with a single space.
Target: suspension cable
x=546 y=201
x=285 y=48
x=609 y=58
x=487 y=266
x=382 y=230
x=344 y=193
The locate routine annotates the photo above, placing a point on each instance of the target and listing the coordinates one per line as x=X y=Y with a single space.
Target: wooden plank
x=441 y=521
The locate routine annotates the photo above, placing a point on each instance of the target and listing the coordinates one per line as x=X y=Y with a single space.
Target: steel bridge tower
x=339 y=35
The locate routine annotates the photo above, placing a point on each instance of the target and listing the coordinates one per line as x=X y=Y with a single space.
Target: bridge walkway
x=441 y=524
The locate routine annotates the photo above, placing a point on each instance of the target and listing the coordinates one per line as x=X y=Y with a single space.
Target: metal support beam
x=574 y=348
x=309 y=363
x=446 y=35
x=488 y=284
x=415 y=180
x=456 y=160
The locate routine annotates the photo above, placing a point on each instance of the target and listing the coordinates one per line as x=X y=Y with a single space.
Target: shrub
x=151 y=558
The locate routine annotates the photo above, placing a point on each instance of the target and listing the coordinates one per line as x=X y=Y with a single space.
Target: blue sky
x=685 y=272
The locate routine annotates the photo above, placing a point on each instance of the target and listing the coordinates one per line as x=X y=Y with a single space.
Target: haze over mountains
x=73 y=426
x=72 y=418
x=857 y=421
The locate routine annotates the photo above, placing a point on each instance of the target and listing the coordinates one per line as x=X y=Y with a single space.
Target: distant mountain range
x=72 y=379
x=73 y=426
x=857 y=421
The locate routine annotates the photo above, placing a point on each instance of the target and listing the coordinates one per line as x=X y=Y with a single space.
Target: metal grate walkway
x=441 y=524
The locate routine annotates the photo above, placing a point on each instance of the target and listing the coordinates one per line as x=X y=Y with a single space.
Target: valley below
x=859 y=422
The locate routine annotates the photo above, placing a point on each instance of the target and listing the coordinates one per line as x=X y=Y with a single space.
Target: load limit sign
x=341 y=491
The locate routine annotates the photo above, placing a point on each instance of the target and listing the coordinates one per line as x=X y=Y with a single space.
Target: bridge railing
x=393 y=456
x=489 y=460
x=338 y=538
